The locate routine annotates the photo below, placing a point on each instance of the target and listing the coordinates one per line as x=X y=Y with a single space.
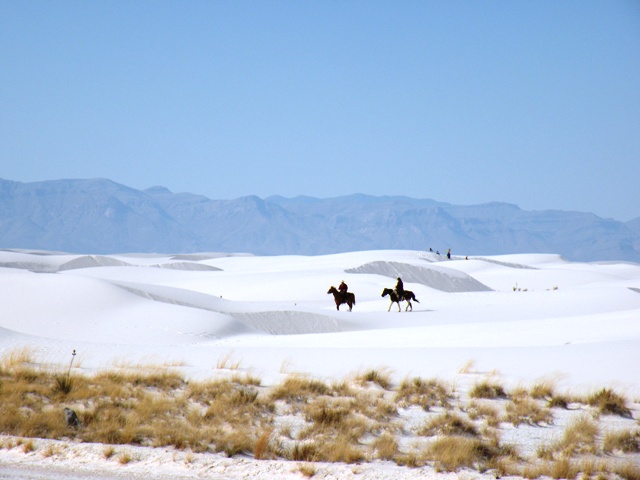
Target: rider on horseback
x=399 y=289
x=343 y=290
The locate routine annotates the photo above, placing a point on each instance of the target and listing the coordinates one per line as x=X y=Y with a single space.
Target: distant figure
x=430 y=249
x=449 y=254
x=399 y=288
x=343 y=288
x=71 y=418
x=437 y=252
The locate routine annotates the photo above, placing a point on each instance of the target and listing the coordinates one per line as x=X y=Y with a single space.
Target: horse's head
x=385 y=292
x=332 y=289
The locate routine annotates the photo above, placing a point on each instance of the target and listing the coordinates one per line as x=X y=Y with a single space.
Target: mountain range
x=101 y=216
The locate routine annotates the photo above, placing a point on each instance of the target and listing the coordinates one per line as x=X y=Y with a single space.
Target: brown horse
x=340 y=298
x=407 y=296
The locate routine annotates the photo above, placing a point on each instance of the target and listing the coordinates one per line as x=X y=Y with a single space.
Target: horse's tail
x=354 y=298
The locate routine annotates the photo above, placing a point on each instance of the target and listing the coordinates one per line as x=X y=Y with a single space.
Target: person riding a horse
x=399 y=288
x=342 y=288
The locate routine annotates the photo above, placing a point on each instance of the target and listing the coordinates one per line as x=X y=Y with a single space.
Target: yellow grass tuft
x=488 y=389
x=424 y=393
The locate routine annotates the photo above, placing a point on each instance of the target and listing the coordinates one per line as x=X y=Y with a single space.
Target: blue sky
x=535 y=103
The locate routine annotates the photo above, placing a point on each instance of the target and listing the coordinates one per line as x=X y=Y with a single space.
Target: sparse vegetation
x=488 y=389
x=528 y=411
x=307 y=469
x=626 y=441
x=380 y=377
x=609 y=402
x=424 y=393
x=355 y=420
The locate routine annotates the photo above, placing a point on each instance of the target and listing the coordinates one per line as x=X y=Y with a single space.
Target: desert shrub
x=626 y=441
x=28 y=446
x=454 y=452
x=299 y=388
x=15 y=359
x=108 y=451
x=579 y=437
x=124 y=458
x=385 y=446
x=627 y=470
x=374 y=405
x=423 y=393
x=302 y=452
x=328 y=413
x=340 y=448
x=45 y=423
x=543 y=389
x=450 y=424
x=564 y=468
x=246 y=379
x=235 y=441
x=307 y=470
x=263 y=448
x=609 y=402
x=487 y=389
x=559 y=401
x=525 y=410
x=63 y=384
x=227 y=362
x=379 y=377
x=410 y=460
x=478 y=410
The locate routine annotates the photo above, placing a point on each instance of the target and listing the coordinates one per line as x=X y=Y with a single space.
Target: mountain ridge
x=102 y=216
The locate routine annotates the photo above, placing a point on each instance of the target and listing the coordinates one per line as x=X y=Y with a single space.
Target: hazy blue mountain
x=101 y=216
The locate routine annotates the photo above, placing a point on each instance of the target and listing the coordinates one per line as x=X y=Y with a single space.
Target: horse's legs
x=399 y=307
x=389 y=309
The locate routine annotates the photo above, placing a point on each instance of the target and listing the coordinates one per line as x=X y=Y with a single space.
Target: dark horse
x=340 y=298
x=407 y=296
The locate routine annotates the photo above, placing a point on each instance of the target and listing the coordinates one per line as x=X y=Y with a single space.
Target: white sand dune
x=521 y=317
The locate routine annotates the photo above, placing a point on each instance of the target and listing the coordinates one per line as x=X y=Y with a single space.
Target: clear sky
x=535 y=103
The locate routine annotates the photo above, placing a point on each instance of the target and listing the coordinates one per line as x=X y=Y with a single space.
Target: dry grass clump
x=380 y=377
x=298 y=388
x=559 y=401
x=543 y=388
x=16 y=359
x=385 y=447
x=159 y=378
x=424 y=393
x=528 y=411
x=609 y=402
x=483 y=411
x=108 y=451
x=580 y=437
x=575 y=468
x=341 y=420
x=626 y=441
x=336 y=427
x=450 y=424
x=307 y=470
x=487 y=389
x=227 y=362
x=455 y=452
